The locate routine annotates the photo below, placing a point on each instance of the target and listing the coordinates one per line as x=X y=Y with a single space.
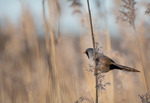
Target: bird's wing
x=109 y=59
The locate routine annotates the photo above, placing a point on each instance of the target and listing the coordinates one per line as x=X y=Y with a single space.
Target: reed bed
x=39 y=69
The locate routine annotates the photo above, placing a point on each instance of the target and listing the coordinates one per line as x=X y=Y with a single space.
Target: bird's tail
x=125 y=68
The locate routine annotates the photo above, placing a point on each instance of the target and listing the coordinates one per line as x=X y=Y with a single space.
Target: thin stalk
x=141 y=59
x=50 y=86
x=28 y=52
x=57 y=13
x=53 y=55
x=91 y=25
x=3 y=89
x=108 y=40
x=110 y=91
x=46 y=37
x=93 y=41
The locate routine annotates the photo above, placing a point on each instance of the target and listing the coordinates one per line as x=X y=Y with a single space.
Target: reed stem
x=93 y=41
x=53 y=55
x=141 y=59
x=50 y=86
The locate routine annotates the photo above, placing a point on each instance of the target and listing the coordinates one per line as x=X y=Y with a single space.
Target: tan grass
x=50 y=81
x=53 y=55
x=26 y=76
x=128 y=14
x=29 y=74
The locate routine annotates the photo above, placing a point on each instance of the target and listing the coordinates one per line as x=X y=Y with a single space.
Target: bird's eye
x=87 y=54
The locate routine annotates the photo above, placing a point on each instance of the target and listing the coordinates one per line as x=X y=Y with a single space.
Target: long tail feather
x=121 y=67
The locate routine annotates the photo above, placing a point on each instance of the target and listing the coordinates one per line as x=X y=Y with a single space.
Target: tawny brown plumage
x=105 y=63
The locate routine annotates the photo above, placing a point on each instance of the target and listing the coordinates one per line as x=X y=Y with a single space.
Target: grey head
x=89 y=53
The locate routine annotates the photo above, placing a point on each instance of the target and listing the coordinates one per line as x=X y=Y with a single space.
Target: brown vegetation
x=39 y=69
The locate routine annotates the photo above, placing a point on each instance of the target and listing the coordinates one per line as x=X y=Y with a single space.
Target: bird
x=105 y=64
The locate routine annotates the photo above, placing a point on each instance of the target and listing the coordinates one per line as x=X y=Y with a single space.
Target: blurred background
x=41 y=45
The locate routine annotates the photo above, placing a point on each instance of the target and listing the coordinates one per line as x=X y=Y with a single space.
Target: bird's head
x=89 y=53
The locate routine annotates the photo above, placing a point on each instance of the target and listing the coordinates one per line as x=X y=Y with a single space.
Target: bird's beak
x=84 y=52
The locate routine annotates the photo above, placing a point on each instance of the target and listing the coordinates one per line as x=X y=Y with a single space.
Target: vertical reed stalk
x=93 y=41
x=128 y=14
x=28 y=53
x=50 y=86
x=29 y=74
x=2 y=94
x=57 y=13
x=53 y=55
x=46 y=37
x=141 y=59
x=108 y=40
x=110 y=91
x=46 y=28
